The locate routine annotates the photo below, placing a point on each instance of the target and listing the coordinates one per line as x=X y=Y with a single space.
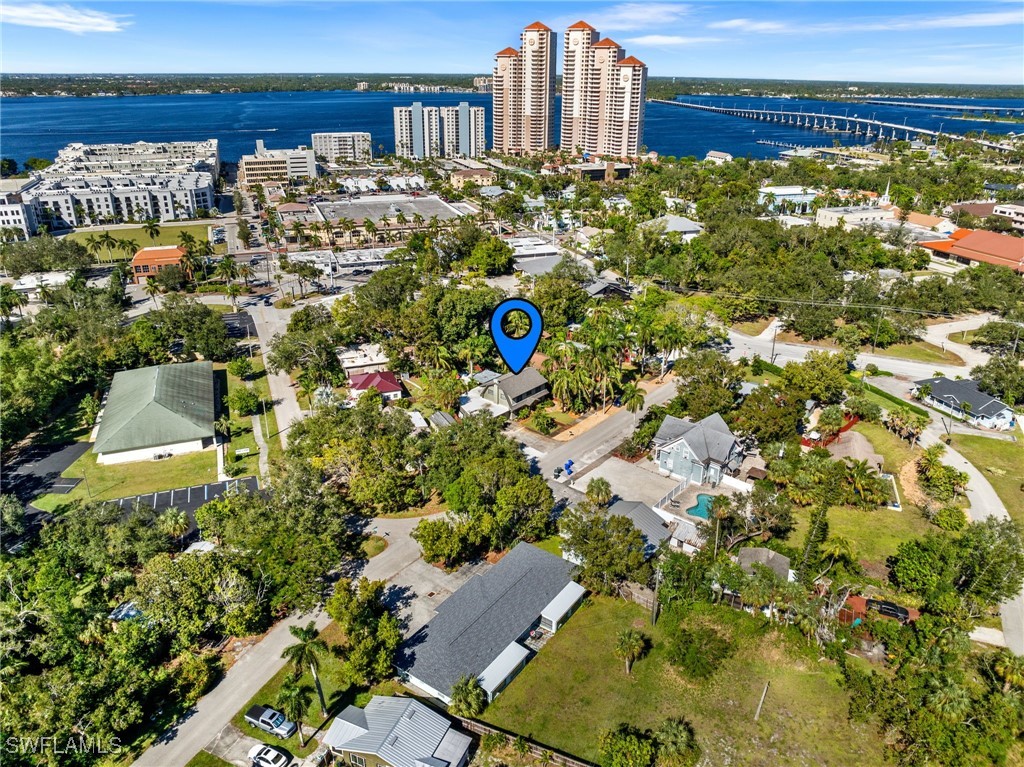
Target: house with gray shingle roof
x=159 y=410
x=700 y=452
x=651 y=526
x=480 y=630
x=396 y=732
x=965 y=400
x=508 y=393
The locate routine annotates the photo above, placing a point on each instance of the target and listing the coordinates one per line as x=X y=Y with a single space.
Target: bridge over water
x=828 y=123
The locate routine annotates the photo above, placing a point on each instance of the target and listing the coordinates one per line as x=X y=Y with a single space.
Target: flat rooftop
x=386 y=206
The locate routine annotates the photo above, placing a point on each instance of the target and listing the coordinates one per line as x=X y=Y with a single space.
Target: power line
x=810 y=302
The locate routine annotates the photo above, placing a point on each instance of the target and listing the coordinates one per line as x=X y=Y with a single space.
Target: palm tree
x=128 y=247
x=151 y=227
x=92 y=245
x=836 y=548
x=151 y=288
x=223 y=425
x=675 y=738
x=948 y=698
x=1010 y=668
x=468 y=698
x=633 y=399
x=298 y=230
x=233 y=291
x=629 y=646
x=107 y=241
x=293 y=700
x=175 y=523
x=186 y=240
x=10 y=299
x=306 y=654
x=227 y=268
x=246 y=272
x=599 y=491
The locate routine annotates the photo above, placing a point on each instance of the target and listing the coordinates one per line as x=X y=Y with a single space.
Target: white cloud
x=895 y=24
x=64 y=17
x=629 y=17
x=670 y=40
x=749 y=25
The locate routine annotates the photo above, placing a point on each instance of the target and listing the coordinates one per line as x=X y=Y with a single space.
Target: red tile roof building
x=385 y=382
x=148 y=262
x=603 y=95
x=981 y=246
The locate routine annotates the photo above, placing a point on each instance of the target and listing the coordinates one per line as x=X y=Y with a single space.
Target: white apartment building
x=17 y=218
x=140 y=157
x=417 y=131
x=347 y=147
x=603 y=95
x=851 y=217
x=78 y=200
x=1013 y=212
x=463 y=132
x=482 y=84
x=523 y=94
x=276 y=165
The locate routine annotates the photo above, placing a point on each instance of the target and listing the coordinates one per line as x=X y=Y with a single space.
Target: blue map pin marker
x=516 y=351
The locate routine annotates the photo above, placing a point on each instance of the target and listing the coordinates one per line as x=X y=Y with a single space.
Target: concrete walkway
x=943 y=335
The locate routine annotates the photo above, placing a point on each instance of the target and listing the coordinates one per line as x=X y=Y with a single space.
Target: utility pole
x=761 y=703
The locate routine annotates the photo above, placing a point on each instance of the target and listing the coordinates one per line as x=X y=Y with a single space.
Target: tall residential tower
x=422 y=132
x=523 y=88
x=603 y=95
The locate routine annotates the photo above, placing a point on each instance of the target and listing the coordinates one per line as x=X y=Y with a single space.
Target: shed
x=561 y=607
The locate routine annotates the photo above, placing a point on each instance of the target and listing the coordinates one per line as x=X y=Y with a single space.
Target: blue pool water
x=702 y=508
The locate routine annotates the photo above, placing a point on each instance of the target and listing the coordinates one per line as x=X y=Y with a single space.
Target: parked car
x=268 y=756
x=269 y=720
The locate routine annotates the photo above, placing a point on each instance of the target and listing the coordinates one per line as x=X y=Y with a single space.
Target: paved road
x=942 y=335
x=260 y=662
x=270 y=321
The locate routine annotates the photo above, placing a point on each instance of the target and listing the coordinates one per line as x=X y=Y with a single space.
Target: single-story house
x=773 y=560
x=700 y=452
x=718 y=158
x=651 y=526
x=32 y=285
x=157 y=411
x=605 y=289
x=965 y=400
x=508 y=393
x=396 y=732
x=385 y=382
x=366 y=358
x=491 y=192
x=476 y=632
x=441 y=420
x=686 y=228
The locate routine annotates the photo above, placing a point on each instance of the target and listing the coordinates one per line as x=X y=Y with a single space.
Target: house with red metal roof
x=384 y=382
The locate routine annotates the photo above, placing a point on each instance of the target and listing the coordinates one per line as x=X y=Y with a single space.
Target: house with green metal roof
x=156 y=412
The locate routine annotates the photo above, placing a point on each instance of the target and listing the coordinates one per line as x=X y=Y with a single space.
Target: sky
x=929 y=42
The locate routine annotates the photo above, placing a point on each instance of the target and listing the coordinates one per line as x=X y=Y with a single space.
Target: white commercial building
x=276 y=165
x=141 y=157
x=346 y=147
x=603 y=95
x=417 y=131
x=523 y=94
x=463 y=131
x=1013 y=212
x=76 y=200
x=17 y=218
x=850 y=217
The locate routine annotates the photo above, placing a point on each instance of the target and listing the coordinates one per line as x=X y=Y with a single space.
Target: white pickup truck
x=269 y=720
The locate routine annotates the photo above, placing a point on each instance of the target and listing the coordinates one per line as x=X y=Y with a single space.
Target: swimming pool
x=702 y=508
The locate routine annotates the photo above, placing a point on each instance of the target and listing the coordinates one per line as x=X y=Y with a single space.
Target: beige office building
x=276 y=165
x=603 y=95
x=523 y=93
x=352 y=146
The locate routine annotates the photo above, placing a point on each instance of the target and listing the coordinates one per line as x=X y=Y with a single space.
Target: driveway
x=232 y=745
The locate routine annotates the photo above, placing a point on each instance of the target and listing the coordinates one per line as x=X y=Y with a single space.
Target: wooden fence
x=548 y=755
x=634 y=592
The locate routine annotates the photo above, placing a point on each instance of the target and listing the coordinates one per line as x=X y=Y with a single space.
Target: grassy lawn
x=338 y=693
x=434 y=505
x=753 y=327
x=552 y=544
x=1002 y=463
x=206 y=759
x=895 y=452
x=576 y=688
x=920 y=351
x=242 y=436
x=168 y=236
x=373 y=546
x=136 y=478
x=963 y=337
x=275 y=451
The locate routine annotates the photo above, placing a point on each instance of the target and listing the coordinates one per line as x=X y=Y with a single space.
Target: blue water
x=702 y=508
x=39 y=127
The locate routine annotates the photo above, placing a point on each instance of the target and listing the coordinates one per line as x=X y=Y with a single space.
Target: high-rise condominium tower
x=523 y=93
x=422 y=132
x=603 y=95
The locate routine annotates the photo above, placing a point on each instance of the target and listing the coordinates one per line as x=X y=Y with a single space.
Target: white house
x=963 y=399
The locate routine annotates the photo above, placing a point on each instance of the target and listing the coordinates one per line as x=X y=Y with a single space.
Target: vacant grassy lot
x=121 y=480
x=920 y=351
x=1002 y=463
x=338 y=693
x=168 y=236
x=268 y=418
x=754 y=327
x=576 y=687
